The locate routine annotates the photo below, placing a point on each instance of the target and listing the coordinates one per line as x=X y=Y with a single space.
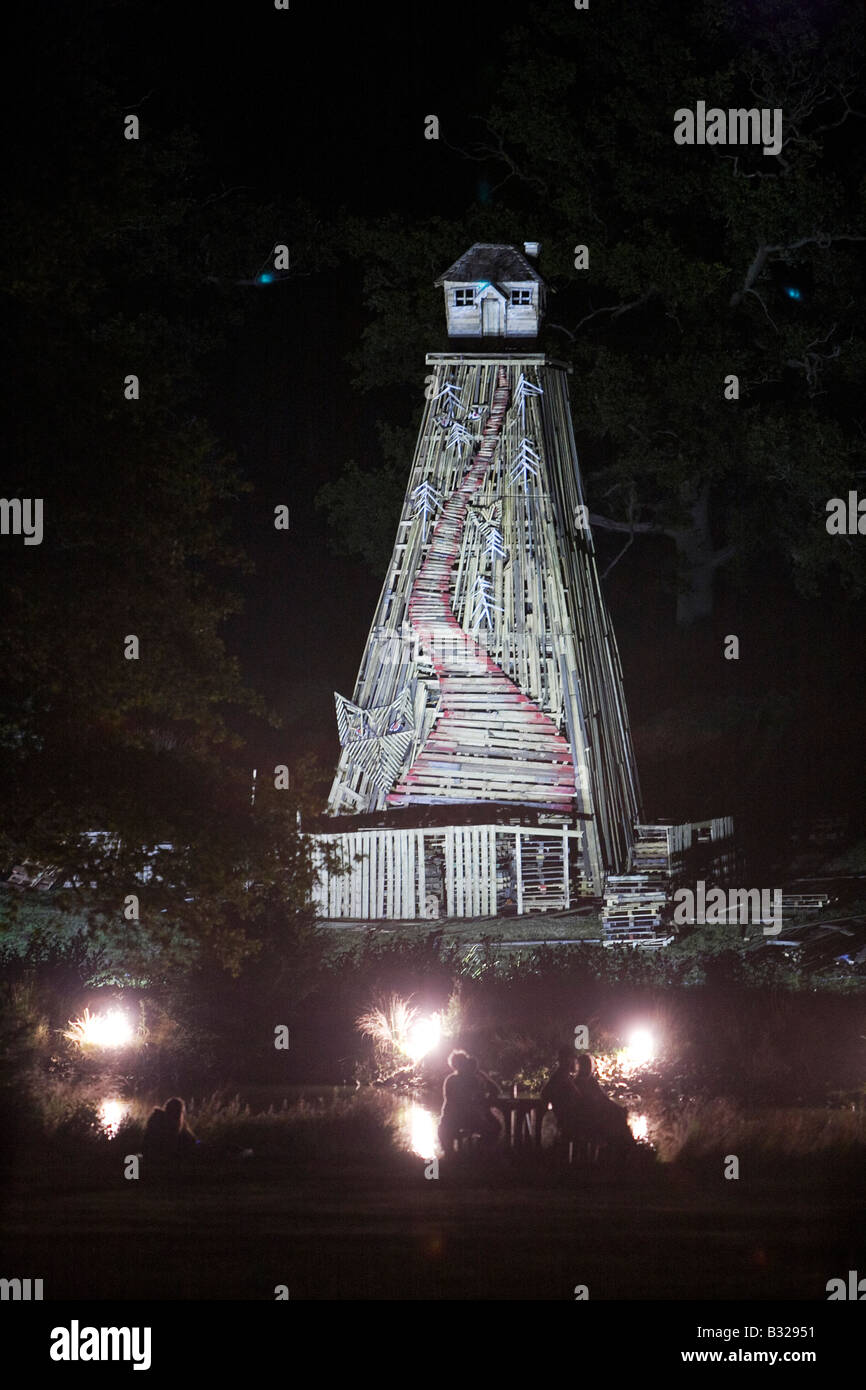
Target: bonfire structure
x=487 y=763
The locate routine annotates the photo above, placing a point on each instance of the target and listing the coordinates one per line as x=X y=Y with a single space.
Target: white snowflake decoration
x=450 y=397
x=458 y=436
x=483 y=607
x=486 y=523
x=525 y=461
x=522 y=391
x=426 y=501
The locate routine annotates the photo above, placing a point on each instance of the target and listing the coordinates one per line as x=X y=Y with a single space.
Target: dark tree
x=129 y=258
x=704 y=262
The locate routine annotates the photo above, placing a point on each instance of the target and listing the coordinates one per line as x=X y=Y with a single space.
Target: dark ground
x=359 y=1234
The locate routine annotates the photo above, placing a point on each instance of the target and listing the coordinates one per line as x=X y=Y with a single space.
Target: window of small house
x=464 y=299
x=521 y=296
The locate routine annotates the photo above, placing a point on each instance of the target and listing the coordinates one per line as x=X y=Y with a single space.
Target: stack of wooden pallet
x=715 y=856
x=803 y=902
x=633 y=907
x=651 y=850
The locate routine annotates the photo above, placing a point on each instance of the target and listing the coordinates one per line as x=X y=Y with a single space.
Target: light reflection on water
x=112 y=1112
x=418 y=1127
x=639 y=1125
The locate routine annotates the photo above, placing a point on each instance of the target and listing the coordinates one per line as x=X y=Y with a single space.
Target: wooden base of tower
x=400 y=872
x=448 y=871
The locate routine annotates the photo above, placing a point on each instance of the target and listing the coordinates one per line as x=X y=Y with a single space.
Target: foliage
x=131 y=258
x=703 y=1133
x=363 y=1124
x=703 y=263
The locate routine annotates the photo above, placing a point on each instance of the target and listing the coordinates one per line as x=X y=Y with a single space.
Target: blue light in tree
x=265 y=279
x=792 y=292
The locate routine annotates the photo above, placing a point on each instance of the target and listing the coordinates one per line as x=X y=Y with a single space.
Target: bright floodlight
x=101 y=1030
x=422 y=1037
x=640 y=1048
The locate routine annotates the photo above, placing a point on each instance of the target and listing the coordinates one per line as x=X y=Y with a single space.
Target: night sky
x=328 y=102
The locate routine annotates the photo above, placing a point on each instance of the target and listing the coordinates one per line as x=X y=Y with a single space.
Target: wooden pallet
x=633 y=906
x=799 y=902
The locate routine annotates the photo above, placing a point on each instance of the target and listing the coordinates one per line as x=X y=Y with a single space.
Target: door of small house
x=491 y=317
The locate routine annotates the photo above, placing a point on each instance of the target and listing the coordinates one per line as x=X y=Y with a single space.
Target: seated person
x=467 y=1094
x=605 y=1121
x=561 y=1093
x=167 y=1134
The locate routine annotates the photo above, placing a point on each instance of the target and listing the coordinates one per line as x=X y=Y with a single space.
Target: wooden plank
x=450 y=900
x=404 y=888
x=357 y=878
x=365 y=876
x=422 y=869
x=476 y=872
x=518 y=870
x=566 y=868
x=408 y=873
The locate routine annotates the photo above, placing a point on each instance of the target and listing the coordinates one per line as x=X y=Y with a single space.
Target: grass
x=535 y=927
x=66 y=1116
x=358 y=1127
x=356 y=1219
x=705 y=1131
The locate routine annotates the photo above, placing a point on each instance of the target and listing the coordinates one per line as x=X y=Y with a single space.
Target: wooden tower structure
x=486 y=760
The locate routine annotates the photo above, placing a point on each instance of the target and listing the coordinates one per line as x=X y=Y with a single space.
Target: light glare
x=640 y=1049
x=422 y=1037
x=639 y=1125
x=420 y=1128
x=101 y=1030
x=111 y=1114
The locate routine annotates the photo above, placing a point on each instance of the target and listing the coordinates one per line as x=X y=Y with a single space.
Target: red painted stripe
x=430 y=616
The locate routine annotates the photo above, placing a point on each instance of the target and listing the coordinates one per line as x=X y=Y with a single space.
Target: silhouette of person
x=562 y=1094
x=167 y=1134
x=466 y=1094
x=604 y=1120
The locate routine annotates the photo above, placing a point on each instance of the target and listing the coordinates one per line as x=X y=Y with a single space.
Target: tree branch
x=822 y=240
x=751 y=275
x=764 y=307
x=497 y=153
x=613 y=309
x=616 y=559
x=633 y=527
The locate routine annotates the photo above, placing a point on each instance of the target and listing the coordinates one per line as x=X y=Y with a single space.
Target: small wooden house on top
x=493 y=291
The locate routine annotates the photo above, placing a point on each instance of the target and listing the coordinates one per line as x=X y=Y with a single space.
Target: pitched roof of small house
x=488 y=261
